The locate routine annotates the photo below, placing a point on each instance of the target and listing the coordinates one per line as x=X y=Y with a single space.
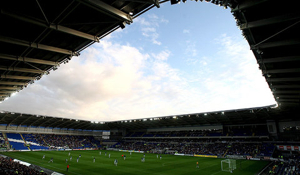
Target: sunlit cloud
x=149 y=27
x=114 y=80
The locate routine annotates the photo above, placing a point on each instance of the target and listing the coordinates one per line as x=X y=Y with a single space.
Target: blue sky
x=177 y=59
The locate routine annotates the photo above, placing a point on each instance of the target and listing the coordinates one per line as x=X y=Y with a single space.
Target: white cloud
x=150 y=25
x=191 y=53
x=186 y=31
x=110 y=81
x=162 y=56
x=107 y=82
x=238 y=81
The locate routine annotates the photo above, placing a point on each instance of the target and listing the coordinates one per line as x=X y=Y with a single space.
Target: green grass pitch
x=168 y=165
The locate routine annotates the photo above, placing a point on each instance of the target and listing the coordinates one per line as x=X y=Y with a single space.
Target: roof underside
x=37 y=36
x=272 y=30
x=247 y=116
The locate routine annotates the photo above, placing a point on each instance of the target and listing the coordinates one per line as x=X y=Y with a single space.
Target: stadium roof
x=271 y=28
x=258 y=115
x=35 y=39
x=37 y=36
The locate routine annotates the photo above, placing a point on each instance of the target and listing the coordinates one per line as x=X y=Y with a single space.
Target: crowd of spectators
x=197 y=133
x=203 y=148
x=289 y=165
x=66 y=141
x=9 y=167
x=232 y=131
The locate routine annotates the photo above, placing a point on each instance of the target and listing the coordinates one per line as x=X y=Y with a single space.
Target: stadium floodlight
x=184 y=1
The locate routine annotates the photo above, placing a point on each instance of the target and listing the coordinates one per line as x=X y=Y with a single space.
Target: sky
x=177 y=59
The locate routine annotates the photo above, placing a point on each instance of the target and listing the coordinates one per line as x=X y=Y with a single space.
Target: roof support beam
x=37 y=46
x=247 y=4
x=9 y=88
x=22 y=69
x=279 y=59
x=269 y=21
x=13 y=83
x=17 y=77
x=294 y=104
x=283 y=79
x=46 y=120
x=276 y=44
x=116 y=13
x=6 y=92
x=27 y=119
x=53 y=26
x=26 y=59
x=155 y=2
x=286 y=92
x=281 y=71
x=289 y=96
x=288 y=100
x=286 y=86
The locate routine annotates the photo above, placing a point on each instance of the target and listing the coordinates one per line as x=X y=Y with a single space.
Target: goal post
x=228 y=165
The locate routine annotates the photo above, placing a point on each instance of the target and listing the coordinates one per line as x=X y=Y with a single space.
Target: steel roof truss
x=279 y=59
x=13 y=83
x=21 y=69
x=263 y=22
x=26 y=59
x=53 y=26
x=17 y=77
x=99 y=5
x=155 y=2
x=37 y=46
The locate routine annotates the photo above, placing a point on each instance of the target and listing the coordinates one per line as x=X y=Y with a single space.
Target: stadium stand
x=16 y=141
x=264 y=133
x=46 y=141
x=9 y=167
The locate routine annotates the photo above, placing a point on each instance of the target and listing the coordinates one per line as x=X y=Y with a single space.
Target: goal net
x=228 y=165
